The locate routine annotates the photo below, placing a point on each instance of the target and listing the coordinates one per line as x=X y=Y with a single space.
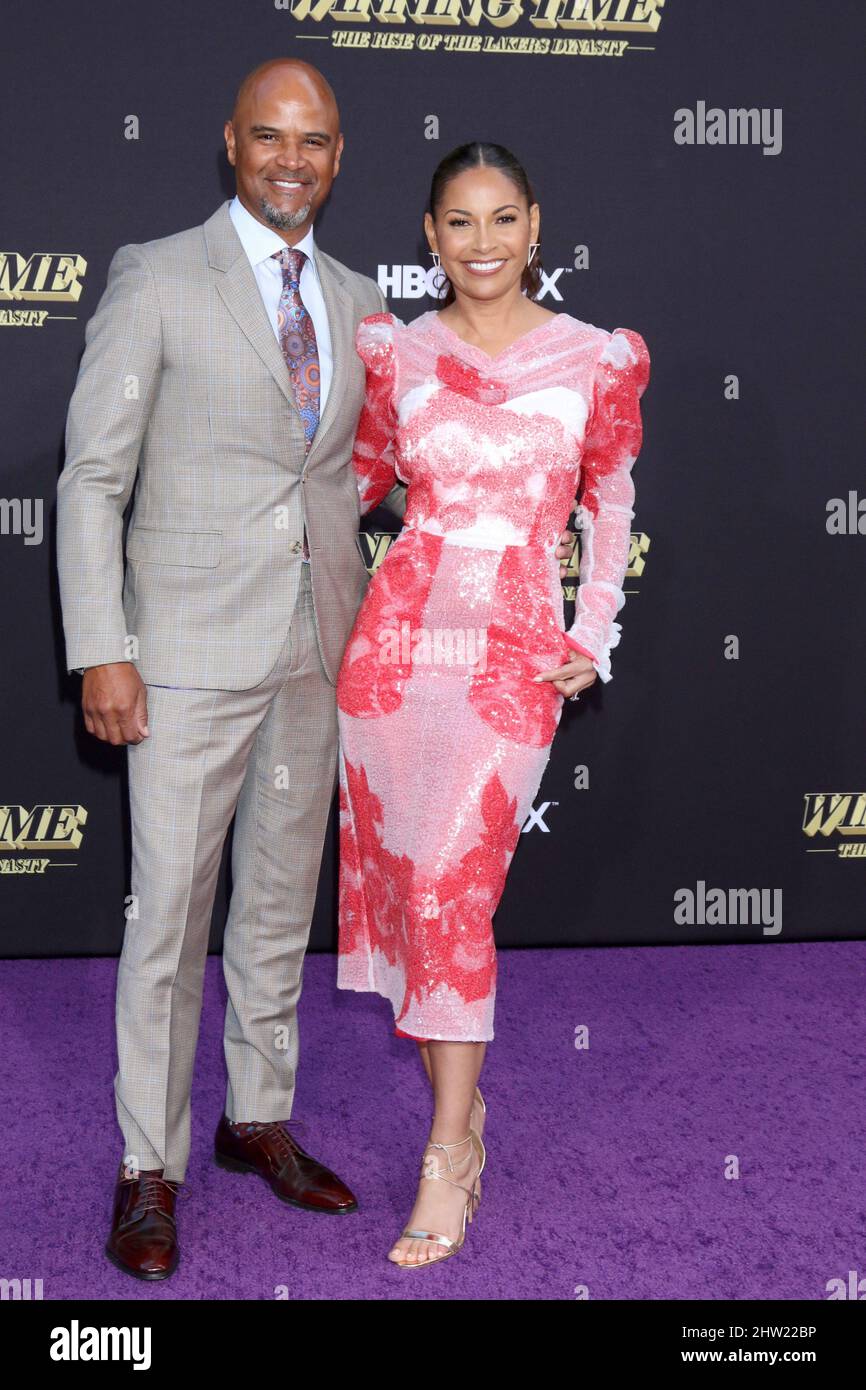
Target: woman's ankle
x=455 y=1137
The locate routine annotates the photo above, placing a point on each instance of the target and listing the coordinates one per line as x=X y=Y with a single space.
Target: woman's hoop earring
x=533 y=247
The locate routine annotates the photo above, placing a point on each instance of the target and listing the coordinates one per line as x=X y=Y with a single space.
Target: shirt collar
x=260 y=242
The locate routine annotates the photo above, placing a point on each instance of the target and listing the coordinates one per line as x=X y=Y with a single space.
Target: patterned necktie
x=298 y=341
x=299 y=347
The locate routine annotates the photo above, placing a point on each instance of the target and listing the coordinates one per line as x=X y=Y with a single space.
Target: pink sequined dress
x=444 y=736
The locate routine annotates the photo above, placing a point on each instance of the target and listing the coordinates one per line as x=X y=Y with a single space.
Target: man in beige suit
x=220 y=380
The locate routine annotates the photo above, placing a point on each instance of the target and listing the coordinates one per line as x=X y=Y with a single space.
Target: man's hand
x=563 y=551
x=114 y=701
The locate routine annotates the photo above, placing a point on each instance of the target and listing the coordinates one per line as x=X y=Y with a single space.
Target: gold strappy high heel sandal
x=479 y=1097
x=473 y=1197
x=482 y=1153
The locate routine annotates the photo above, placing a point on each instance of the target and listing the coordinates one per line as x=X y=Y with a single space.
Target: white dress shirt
x=260 y=243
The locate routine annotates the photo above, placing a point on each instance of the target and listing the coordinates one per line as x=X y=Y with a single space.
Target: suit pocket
x=158 y=546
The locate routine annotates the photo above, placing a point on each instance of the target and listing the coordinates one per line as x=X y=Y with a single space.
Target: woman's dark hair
x=476 y=155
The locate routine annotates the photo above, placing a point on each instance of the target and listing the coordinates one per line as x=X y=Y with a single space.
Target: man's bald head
x=284 y=143
x=282 y=73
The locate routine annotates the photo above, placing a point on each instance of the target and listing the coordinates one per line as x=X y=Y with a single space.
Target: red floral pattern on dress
x=370 y=682
x=374 y=456
x=439 y=928
x=471 y=892
x=523 y=639
x=615 y=431
x=453 y=444
x=468 y=381
x=374 y=883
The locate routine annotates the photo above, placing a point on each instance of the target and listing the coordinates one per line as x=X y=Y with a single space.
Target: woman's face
x=482 y=231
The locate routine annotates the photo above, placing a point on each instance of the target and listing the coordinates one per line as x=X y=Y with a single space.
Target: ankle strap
x=458 y=1143
x=428 y=1172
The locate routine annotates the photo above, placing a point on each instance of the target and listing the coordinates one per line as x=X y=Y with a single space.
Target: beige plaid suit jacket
x=183 y=396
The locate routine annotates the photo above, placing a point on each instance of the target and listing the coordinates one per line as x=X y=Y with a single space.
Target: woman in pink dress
x=498 y=414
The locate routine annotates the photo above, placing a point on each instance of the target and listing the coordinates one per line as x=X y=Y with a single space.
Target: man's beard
x=284 y=221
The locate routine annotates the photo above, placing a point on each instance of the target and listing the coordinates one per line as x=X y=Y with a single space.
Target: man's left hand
x=564 y=549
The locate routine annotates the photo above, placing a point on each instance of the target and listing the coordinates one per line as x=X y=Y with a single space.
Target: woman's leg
x=477 y=1117
x=454 y=1068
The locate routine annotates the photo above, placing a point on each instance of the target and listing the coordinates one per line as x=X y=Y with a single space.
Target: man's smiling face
x=285 y=144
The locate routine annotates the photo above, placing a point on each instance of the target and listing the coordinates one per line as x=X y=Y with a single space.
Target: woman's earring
x=440 y=279
x=533 y=247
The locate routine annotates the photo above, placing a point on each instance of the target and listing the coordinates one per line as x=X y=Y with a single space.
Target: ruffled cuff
x=602 y=661
x=584 y=651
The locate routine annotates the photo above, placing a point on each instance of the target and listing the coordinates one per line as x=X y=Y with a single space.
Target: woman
x=492 y=409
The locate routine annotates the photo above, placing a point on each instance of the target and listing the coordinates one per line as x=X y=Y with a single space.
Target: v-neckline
x=486 y=356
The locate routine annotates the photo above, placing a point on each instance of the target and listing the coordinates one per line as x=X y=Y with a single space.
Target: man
x=220 y=375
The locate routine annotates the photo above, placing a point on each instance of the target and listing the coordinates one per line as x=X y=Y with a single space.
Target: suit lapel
x=341 y=318
x=240 y=293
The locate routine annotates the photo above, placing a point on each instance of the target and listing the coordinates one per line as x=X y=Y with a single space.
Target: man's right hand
x=114 y=701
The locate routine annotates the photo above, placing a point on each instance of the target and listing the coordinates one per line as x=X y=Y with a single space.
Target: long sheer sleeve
x=374 y=453
x=606 y=495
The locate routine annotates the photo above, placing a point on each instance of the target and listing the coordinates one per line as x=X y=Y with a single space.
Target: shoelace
x=285 y=1142
x=149 y=1193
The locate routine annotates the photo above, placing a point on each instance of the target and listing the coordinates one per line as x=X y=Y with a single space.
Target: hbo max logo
x=414 y=281
x=409 y=281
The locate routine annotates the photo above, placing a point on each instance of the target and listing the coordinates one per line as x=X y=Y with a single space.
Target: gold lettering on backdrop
x=834 y=813
x=330 y=9
x=500 y=13
x=620 y=16
x=23 y=318
x=390 y=40
x=42 y=827
x=639 y=545
x=374 y=547
x=46 y=275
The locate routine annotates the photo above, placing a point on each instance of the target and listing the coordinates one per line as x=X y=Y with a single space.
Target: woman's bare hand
x=574 y=676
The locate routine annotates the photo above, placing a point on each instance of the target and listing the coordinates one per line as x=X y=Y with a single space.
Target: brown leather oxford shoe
x=273 y=1153
x=143 y=1239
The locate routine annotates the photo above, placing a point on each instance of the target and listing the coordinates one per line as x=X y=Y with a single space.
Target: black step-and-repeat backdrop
x=698 y=167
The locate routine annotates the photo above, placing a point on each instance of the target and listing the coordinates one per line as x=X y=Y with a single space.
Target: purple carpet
x=606 y=1166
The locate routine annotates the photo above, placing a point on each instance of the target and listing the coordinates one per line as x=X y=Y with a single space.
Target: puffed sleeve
x=606 y=495
x=373 y=456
